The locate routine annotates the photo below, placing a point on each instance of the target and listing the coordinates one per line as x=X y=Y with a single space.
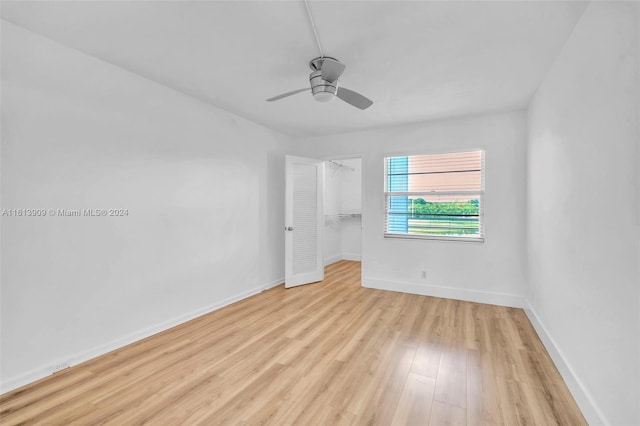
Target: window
x=435 y=196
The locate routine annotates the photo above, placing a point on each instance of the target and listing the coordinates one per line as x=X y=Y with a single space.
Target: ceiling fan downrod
x=313 y=27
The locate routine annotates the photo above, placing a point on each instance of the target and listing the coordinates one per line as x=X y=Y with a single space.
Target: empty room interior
x=315 y=212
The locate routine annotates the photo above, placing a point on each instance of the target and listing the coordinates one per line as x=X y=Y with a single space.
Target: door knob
x=290 y=228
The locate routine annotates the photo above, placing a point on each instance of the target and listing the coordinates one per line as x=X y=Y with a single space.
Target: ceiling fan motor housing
x=323 y=90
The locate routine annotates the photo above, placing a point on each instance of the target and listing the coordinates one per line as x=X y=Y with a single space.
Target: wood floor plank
x=443 y=414
x=327 y=353
x=518 y=406
x=451 y=382
x=426 y=361
x=482 y=390
x=382 y=403
x=414 y=407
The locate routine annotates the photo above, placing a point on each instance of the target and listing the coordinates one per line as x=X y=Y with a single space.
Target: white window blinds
x=436 y=196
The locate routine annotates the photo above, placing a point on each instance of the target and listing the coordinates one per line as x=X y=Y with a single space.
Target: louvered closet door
x=304 y=221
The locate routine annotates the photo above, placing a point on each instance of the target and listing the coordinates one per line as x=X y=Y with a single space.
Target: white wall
x=204 y=190
x=583 y=213
x=491 y=272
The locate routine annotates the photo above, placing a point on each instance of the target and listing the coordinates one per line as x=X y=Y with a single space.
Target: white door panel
x=304 y=221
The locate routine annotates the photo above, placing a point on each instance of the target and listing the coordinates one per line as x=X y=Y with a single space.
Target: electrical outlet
x=424 y=275
x=59 y=367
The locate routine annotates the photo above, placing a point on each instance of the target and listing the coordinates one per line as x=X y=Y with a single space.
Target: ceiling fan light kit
x=322 y=90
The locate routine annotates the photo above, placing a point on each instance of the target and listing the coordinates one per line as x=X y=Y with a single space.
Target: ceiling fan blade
x=284 y=95
x=353 y=98
x=332 y=69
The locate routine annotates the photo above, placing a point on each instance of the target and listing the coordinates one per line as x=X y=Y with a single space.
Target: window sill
x=435 y=238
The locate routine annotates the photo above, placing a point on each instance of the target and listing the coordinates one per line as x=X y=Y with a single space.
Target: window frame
x=451 y=238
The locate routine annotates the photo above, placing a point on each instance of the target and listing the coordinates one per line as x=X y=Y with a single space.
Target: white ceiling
x=417 y=60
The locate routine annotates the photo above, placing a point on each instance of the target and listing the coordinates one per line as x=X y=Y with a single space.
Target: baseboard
x=343 y=256
x=332 y=259
x=501 y=299
x=350 y=256
x=583 y=398
x=78 y=358
x=273 y=284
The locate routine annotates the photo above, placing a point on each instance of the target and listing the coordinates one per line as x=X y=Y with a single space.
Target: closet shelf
x=343 y=216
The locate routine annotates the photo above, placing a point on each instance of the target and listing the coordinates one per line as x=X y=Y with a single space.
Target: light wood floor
x=327 y=353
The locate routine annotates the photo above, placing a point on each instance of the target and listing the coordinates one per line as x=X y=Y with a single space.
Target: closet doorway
x=342 y=210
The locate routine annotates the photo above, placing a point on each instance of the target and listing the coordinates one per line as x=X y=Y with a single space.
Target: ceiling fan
x=325 y=72
x=324 y=84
